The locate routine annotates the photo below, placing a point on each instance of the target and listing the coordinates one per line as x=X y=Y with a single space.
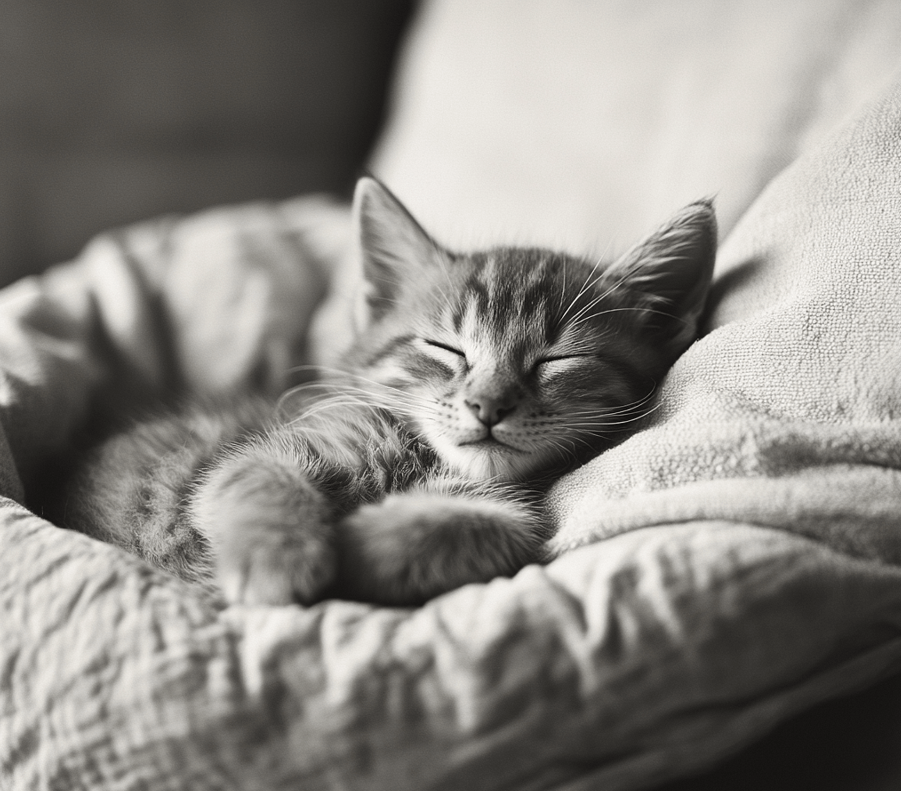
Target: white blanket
x=747 y=568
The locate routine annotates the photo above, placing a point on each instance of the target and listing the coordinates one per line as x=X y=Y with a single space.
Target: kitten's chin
x=489 y=460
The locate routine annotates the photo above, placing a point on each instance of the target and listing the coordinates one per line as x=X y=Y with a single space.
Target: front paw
x=275 y=565
x=412 y=547
x=269 y=528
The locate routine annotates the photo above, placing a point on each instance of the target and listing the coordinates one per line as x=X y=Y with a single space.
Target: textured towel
x=787 y=413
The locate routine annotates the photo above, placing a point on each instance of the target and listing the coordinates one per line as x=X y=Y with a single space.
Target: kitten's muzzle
x=490 y=411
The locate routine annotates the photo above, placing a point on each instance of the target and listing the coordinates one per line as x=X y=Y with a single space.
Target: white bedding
x=733 y=563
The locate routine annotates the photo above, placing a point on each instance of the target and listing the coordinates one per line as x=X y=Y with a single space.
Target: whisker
x=588 y=284
x=671 y=316
x=598 y=298
x=602 y=424
x=329 y=387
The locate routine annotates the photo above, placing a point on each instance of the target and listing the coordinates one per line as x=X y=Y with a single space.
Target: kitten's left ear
x=393 y=246
x=671 y=270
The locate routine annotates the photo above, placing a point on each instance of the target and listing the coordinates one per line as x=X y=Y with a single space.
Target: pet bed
x=731 y=564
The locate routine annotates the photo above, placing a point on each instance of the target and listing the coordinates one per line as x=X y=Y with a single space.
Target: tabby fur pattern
x=475 y=380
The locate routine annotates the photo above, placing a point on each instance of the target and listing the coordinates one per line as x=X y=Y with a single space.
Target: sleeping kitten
x=475 y=380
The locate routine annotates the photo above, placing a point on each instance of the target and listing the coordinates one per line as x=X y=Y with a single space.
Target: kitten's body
x=473 y=379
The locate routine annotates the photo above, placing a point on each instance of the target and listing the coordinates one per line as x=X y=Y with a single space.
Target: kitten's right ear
x=393 y=246
x=670 y=272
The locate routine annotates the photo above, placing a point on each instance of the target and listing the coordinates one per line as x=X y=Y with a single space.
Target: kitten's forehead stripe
x=458 y=313
x=517 y=303
x=514 y=294
x=505 y=310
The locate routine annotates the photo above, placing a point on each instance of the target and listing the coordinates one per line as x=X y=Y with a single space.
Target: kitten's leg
x=437 y=536
x=269 y=527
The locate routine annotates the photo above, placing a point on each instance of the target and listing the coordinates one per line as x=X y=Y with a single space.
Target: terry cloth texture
x=787 y=413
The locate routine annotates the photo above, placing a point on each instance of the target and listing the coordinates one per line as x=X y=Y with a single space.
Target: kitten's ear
x=670 y=271
x=393 y=246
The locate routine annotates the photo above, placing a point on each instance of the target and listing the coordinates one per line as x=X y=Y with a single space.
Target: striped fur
x=476 y=379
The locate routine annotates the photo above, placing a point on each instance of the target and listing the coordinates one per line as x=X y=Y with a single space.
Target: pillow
x=587 y=124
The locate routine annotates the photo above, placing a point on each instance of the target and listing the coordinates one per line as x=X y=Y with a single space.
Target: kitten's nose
x=490 y=411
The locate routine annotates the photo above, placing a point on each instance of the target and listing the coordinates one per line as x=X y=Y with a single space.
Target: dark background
x=113 y=111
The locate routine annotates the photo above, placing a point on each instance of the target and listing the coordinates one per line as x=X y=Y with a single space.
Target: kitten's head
x=515 y=362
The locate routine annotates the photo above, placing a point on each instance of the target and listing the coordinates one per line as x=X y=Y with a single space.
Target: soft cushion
x=733 y=563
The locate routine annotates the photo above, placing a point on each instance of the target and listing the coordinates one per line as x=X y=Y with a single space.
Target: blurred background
x=113 y=111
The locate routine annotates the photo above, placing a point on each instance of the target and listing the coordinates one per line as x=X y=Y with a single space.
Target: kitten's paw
x=412 y=547
x=269 y=528
x=276 y=566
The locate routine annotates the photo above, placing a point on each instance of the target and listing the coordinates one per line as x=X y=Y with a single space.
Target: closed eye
x=553 y=366
x=439 y=345
x=561 y=358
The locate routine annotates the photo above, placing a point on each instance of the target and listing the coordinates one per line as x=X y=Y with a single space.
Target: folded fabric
x=746 y=572
x=787 y=413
